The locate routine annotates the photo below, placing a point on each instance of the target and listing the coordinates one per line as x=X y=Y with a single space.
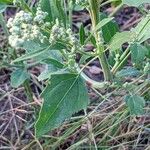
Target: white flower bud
x=10 y=22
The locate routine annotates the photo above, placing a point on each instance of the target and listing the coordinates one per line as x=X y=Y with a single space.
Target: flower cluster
x=59 y=33
x=40 y=16
x=25 y=27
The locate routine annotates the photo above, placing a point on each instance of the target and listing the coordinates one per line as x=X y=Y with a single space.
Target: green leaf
x=135 y=104
x=33 y=45
x=18 y=77
x=143 y=29
x=103 y=22
x=55 y=10
x=135 y=3
x=98 y=27
x=109 y=30
x=40 y=53
x=84 y=58
x=82 y=35
x=47 y=6
x=49 y=70
x=61 y=11
x=53 y=65
x=6 y=1
x=138 y=53
x=30 y=55
x=2 y=7
x=128 y=72
x=120 y=38
x=65 y=95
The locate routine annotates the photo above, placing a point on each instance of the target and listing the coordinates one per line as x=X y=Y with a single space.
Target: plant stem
x=95 y=17
x=123 y=59
x=28 y=90
x=116 y=10
x=3 y=24
x=70 y=3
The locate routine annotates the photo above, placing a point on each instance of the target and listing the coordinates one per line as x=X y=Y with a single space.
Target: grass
x=106 y=125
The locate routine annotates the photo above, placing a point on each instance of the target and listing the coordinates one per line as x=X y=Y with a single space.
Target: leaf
x=6 y=1
x=128 y=72
x=53 y=65
x=18 y=77
x=55 y=10
x=65 y=95
x=102 y=23
x=30 y=55
x=84 y=58
x=120 y=38
x=135 y=3
x=61 y=11
x=143 y=29
x=33 y=45
x=135 y=104
x=138 y=53
x=82 y=35
x=109 y=30
x=49 y=70
x=2 y=7
x=98 y=27
x=39 y=54
x=46 y=5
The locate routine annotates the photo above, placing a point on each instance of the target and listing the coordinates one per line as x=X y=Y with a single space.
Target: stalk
x=95 y=18
x=28 y=90
x=3 y=24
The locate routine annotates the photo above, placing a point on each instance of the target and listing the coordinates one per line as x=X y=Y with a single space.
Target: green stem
x=123 y=58
x=25 y=6
x=95 y=17
x=3 y=24
x=70 y=3
x=28 y=90
x=116 y=10
x=121 y=63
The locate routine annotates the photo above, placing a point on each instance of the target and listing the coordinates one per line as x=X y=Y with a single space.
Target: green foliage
x=142 y=29
x=18 y=77
x=138 y=53
x=58 y=106
x=65 y=93
x=135 y=3
x=6 y=1
x=54 y=9
x=109 y=30
x=2 y=7
x=120 y=38
x=82 y=35
x=135 y=104
x=128 y=72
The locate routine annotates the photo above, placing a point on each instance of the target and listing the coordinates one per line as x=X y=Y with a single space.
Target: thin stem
x=70 y=3
x=95 y=17
x=28 y=90
x=3 y=24
x=116 y=10
x=120 y=63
